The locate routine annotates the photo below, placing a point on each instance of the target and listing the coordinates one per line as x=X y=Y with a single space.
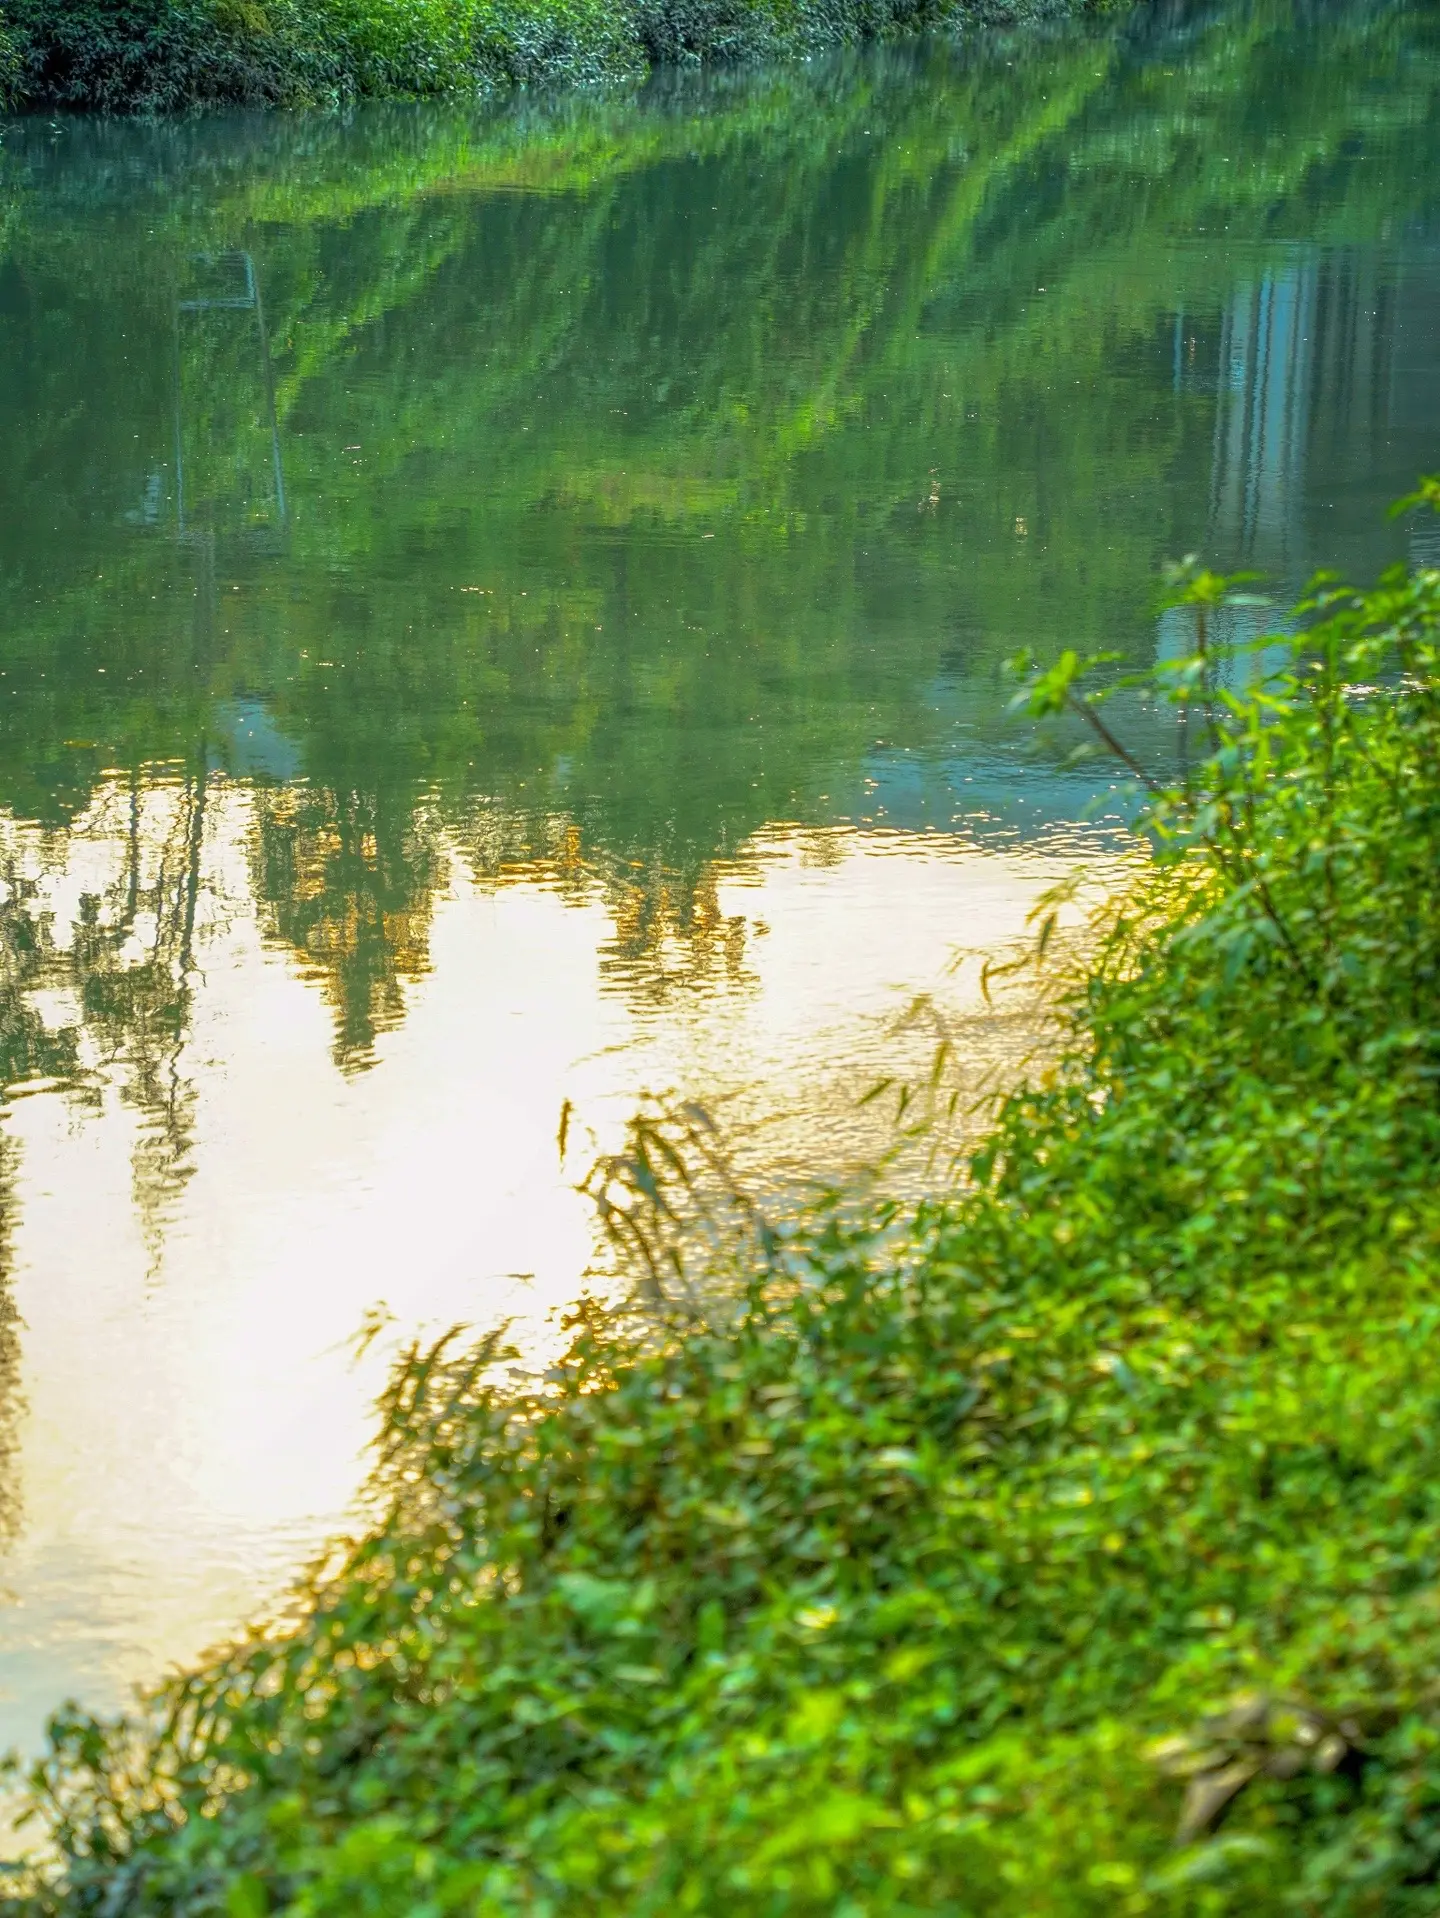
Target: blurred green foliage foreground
x=161 y=55
x=1069 y=1544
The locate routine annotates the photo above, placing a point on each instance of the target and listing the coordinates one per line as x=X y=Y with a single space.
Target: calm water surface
x=507 y=606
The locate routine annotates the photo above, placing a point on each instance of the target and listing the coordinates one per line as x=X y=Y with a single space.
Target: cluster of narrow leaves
x=1067 y=1544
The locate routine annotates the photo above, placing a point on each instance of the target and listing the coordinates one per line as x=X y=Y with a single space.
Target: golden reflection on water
x=192 y=1421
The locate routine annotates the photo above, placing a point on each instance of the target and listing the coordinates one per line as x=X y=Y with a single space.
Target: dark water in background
x=506 y=606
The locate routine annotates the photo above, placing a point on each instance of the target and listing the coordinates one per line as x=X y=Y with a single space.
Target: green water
x=487 y=593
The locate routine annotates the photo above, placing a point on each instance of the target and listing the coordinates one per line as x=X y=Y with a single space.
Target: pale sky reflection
x=195 y=1422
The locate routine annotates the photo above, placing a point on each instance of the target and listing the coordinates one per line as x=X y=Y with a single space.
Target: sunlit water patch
x=202 y=1227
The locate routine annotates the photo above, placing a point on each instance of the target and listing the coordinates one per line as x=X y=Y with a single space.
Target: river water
x=505 y=606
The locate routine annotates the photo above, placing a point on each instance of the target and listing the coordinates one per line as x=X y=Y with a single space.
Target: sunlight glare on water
x=195 y=1417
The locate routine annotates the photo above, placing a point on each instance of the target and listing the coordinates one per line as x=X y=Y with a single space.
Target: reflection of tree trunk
x=195 y=834
x=206 y=595
x=1305 y=366
x=132 y=853
x=166 y=1098
x=10 y=1400
x=134 y=1006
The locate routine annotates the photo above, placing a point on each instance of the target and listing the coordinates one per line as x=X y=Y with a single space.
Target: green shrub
x=161 y=55
x=156 y=56
x=151 y=55
x=956 y=1556
x=10 y=62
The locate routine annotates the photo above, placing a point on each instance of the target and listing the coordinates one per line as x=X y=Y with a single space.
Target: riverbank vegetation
x=163 y=55
x=1065 y=1545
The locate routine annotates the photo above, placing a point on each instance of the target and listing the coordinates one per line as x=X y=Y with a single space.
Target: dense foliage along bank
x=978 y=1549
x=159 y=55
